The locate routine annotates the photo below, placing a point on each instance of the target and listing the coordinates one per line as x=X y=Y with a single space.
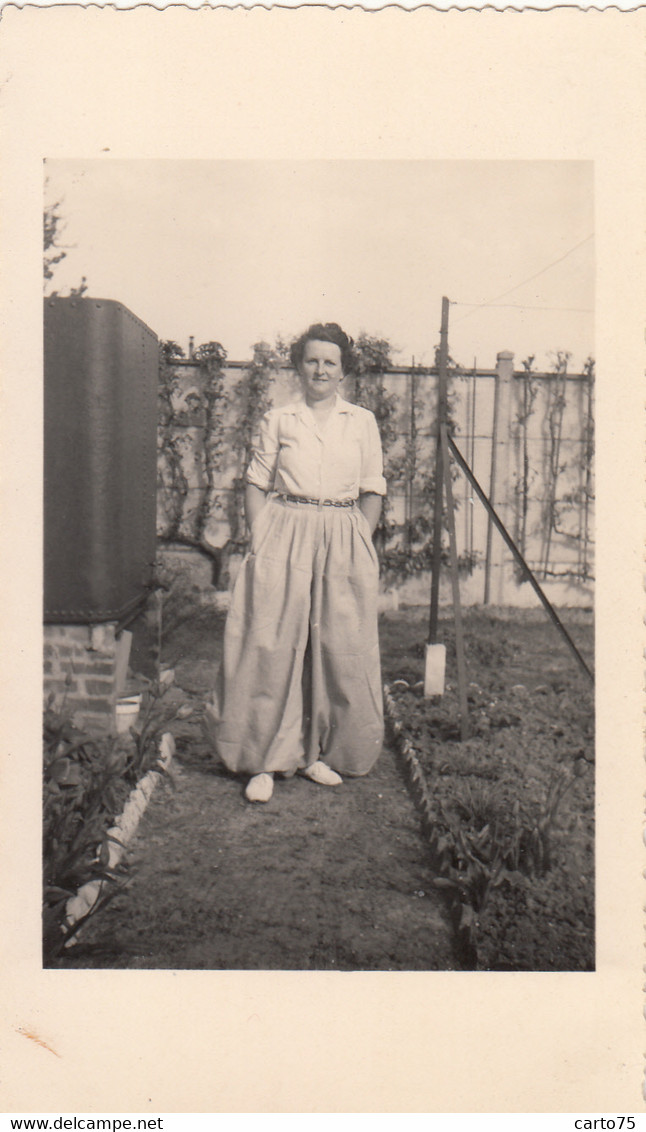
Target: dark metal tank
x=101 y=373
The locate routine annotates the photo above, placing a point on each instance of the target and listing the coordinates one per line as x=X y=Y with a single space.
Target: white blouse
x=338 y=459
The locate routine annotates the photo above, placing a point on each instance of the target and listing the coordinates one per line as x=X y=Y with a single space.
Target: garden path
x=317 y=879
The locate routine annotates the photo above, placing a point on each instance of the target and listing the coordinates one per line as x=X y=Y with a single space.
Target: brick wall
x=80 y=669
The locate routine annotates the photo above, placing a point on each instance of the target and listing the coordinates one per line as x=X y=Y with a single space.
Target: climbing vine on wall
x=527 y=476
x=554 y=417
x=587 y=463
x=170 y=443
x=407 y=548
x=371 y=361
x=251 y=400
x=581 y=498
x=178 y=446
x=211 y=358
x=546 y=482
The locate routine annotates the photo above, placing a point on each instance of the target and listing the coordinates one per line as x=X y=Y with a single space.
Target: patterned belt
x=316 y=502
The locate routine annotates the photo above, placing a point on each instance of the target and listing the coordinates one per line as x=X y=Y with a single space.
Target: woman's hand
x=370 y=503
x=254 y=501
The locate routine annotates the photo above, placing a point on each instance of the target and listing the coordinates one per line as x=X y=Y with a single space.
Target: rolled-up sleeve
x=372 y=464
x=262 y=466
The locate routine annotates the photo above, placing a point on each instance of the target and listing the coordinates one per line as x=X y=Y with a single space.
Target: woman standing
x=299 y=688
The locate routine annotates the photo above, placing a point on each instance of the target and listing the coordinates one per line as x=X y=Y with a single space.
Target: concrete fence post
x=500 y=569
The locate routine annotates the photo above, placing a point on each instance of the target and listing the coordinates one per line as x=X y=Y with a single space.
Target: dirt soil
x=331 y=878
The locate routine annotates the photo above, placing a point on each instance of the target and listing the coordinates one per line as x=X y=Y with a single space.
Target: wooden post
x=455 y=584
x=435 y=657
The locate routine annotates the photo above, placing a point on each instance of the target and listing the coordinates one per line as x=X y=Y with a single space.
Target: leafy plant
x=483 y=829
x=169 y=443
x=211 y=357
x=54 y=252
x=554 y=419
x=541 y=836
x=524 y=483
x=85 y=781
x=176 y=443
x=154 y=718
x=251 y=400
x=372 y=359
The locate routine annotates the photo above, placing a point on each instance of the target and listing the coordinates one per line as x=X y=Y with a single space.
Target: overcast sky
x=237 y=251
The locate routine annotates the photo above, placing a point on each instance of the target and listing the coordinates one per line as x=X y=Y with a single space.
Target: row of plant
x=87 y=779
x=507 y=817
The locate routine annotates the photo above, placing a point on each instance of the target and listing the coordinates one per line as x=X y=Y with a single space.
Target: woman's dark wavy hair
x=324 y=332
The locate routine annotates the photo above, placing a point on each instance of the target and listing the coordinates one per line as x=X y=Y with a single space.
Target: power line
x=492 y=301
x=523 y=307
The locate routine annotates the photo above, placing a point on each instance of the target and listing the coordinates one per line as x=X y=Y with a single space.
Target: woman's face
x=321 y=371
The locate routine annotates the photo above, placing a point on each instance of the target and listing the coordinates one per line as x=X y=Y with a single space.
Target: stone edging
x=407 y=751
x=121 y=833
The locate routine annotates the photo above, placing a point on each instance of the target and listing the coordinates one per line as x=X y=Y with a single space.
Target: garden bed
x=508 y=813
x=360 y=890
x=95 y=788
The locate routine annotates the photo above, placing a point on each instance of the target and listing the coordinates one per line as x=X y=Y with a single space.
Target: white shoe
x=322 y=774
x=260 y=788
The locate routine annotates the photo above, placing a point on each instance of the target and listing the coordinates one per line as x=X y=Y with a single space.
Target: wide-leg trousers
x=300 y=678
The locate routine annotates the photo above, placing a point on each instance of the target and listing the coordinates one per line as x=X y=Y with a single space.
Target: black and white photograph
x=322 y=421
x=319 y=565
